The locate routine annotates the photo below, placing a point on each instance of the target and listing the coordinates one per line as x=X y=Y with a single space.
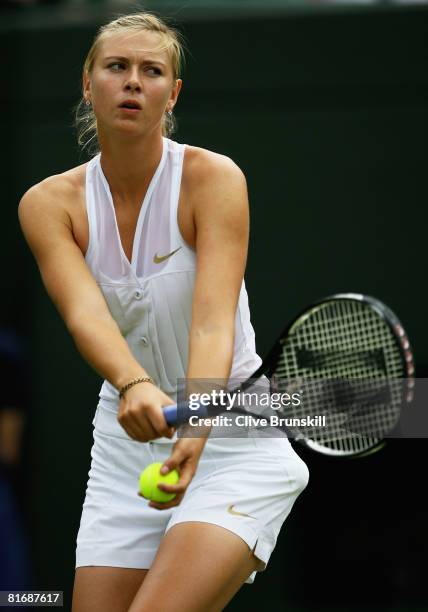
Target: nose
x=133 y=83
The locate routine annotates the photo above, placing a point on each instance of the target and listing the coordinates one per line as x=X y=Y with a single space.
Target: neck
x=129 y=166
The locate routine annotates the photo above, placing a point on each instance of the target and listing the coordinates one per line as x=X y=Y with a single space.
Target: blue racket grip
x=181 y=413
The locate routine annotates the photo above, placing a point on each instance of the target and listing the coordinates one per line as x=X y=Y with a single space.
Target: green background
x=326 y=113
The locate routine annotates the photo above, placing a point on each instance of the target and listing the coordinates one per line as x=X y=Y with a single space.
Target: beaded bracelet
x=133 y=382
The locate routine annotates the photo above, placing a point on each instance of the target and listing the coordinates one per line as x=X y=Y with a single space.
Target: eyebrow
x=125 y=59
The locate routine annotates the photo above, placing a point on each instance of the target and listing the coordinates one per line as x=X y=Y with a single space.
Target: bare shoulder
x=215 y=196
x=203 y=167
x=57 y=194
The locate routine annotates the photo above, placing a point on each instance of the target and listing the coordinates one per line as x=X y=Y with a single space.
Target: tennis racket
x=351 y=360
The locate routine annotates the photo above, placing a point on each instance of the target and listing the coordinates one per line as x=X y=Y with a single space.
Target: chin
x=132 y=132
x=130 y=127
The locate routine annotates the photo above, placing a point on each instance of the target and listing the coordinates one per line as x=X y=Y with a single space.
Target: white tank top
x=150 y=297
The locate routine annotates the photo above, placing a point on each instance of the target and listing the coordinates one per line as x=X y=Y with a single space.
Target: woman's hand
x=184 y=458
x=141 y=415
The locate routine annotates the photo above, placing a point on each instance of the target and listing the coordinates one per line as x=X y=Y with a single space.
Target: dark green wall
x=327 y=116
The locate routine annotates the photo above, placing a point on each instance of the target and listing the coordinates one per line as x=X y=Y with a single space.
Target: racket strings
x=342 y=354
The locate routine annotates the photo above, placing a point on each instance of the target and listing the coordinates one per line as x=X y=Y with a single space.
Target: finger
x=166 y=505
x=174 y=461
x=143 y=426
x=131 y=426
x=139 y=428
x=158 y=422
x=130 y=430
x=163 y=505
x=170 y=432
x=186 y=475
x=177 y=488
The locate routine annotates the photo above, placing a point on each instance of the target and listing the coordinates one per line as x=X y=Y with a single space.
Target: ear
x=175 y=92
x=86 y=82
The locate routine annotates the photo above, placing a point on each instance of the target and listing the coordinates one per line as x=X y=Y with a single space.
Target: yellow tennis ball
x=151 y=477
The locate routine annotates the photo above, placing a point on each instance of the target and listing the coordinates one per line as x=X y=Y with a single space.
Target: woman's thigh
x=199 y=568
x=110 y=589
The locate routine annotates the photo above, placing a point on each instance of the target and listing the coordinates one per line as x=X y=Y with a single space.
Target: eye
x=154 y=70
x=116 y=66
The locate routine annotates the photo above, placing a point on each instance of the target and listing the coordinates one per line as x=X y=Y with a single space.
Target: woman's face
x=130 y=67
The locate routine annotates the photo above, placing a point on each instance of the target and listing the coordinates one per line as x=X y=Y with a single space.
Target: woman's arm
x=220 y=204
x=48 y=230
x=217 y=194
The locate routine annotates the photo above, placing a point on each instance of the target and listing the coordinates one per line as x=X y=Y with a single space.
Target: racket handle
x=170 y=414
x=181 y=413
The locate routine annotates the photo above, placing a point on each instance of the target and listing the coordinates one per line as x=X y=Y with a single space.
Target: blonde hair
x=84 y=117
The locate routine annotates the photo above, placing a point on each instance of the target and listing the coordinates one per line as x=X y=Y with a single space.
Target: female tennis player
x=143 y=252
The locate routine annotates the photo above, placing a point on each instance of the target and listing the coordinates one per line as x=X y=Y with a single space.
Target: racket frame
x=268 y=366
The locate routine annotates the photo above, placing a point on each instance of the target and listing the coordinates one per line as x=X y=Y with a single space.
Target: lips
x=130 y=104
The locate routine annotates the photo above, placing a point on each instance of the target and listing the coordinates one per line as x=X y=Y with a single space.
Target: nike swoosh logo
x=236 y=513
x=160 y=258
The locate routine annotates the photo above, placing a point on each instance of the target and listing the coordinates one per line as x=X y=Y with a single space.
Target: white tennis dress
x=246 y=485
